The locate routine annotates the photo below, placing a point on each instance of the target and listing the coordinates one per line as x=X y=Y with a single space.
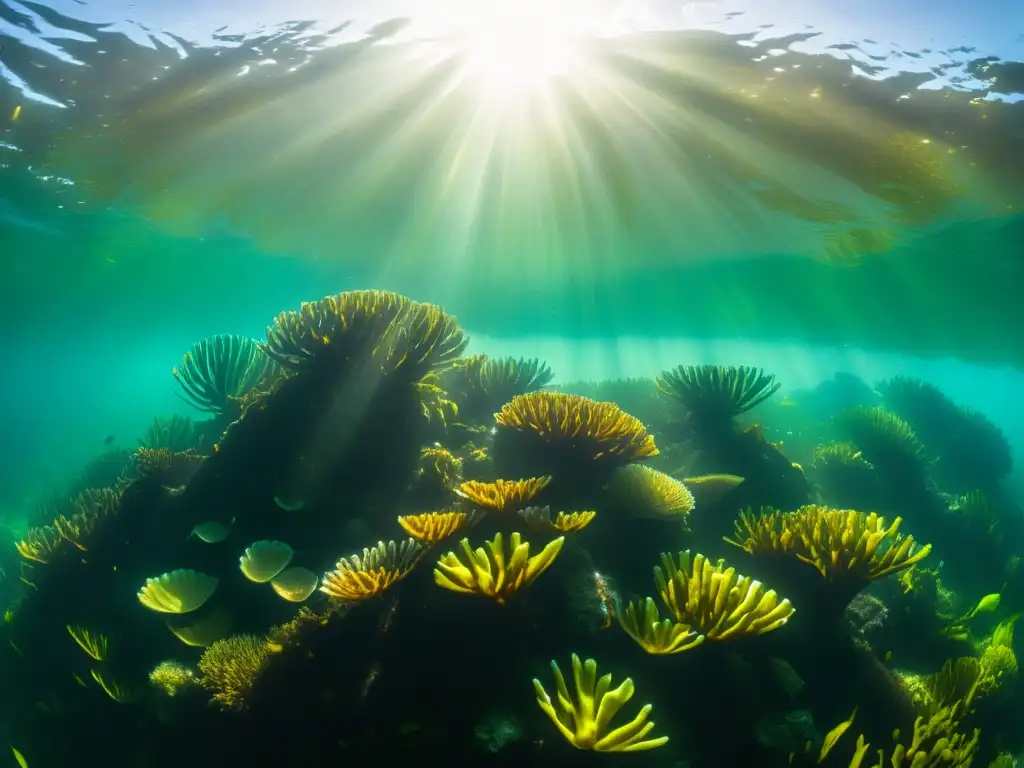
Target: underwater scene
x=501 y=383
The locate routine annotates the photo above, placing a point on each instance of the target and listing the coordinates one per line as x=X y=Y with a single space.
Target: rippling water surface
x=849 y=175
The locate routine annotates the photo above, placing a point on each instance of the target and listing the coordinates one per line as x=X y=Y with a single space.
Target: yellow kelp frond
x=431 y=527
x=585 y=722
x=762 y=533
x=710 y=489
x=41 y=544
x=564 y=522
x=399 y=333
x=496 y=571
x=884 y=439
x=597 y=431
x=642 y=623
x=502 y=495
x=434 y=399
x=957 y=680
x=95 y=644
x=717 y=392
x=935 y=744
x=228 y=669
x=715 y=600
x=88 y=511
x=116 y=690
x=443 y=464
x=647 y=492
x=172 y=677
x=362 y=577
x=176 y=434
x=843 y=545
x=220 y=369
x=173 y=468
x=180 y=591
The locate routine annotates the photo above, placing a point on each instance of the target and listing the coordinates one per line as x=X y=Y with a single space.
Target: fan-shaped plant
x=221 y=368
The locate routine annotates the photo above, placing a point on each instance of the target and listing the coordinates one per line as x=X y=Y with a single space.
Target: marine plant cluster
x=369 y=545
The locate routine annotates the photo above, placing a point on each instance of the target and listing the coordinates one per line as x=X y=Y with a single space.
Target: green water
x=781 y=245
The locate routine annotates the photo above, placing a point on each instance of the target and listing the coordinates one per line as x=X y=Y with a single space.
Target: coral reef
x=359 y=420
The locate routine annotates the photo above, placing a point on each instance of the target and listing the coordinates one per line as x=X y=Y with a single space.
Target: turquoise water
x=615 y=189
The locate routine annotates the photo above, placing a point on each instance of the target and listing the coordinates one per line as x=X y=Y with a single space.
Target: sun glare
x=515 y=45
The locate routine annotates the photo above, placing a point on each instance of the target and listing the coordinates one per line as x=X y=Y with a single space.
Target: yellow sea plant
x=118 y=692
x=95 y=644
x=220 y=369
x=496 y=571
x=399 y=333
x=715 y=600
x=432 y=527
x=362 y=577
x=503 y=495
x=650 y=493
x=935 y=743
x=180 y=591
x=172 y=677
x=40 y=544
x=717 y=392
x=563 y=522
x=228 y=669
x=641 y=621
x=585 y=721
x=595 y=431
x=842 y=545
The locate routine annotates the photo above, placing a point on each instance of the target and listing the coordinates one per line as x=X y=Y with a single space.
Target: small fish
x=79 y=680
x=14 y=119
x=787 y=403
x=289 y=506
x=888 y=656
x=108 y=440
x=17 y=755
x=212 y=532
x=370 y=678
x=174 y=491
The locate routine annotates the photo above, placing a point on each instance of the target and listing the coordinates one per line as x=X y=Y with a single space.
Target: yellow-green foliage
x=228 y=669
